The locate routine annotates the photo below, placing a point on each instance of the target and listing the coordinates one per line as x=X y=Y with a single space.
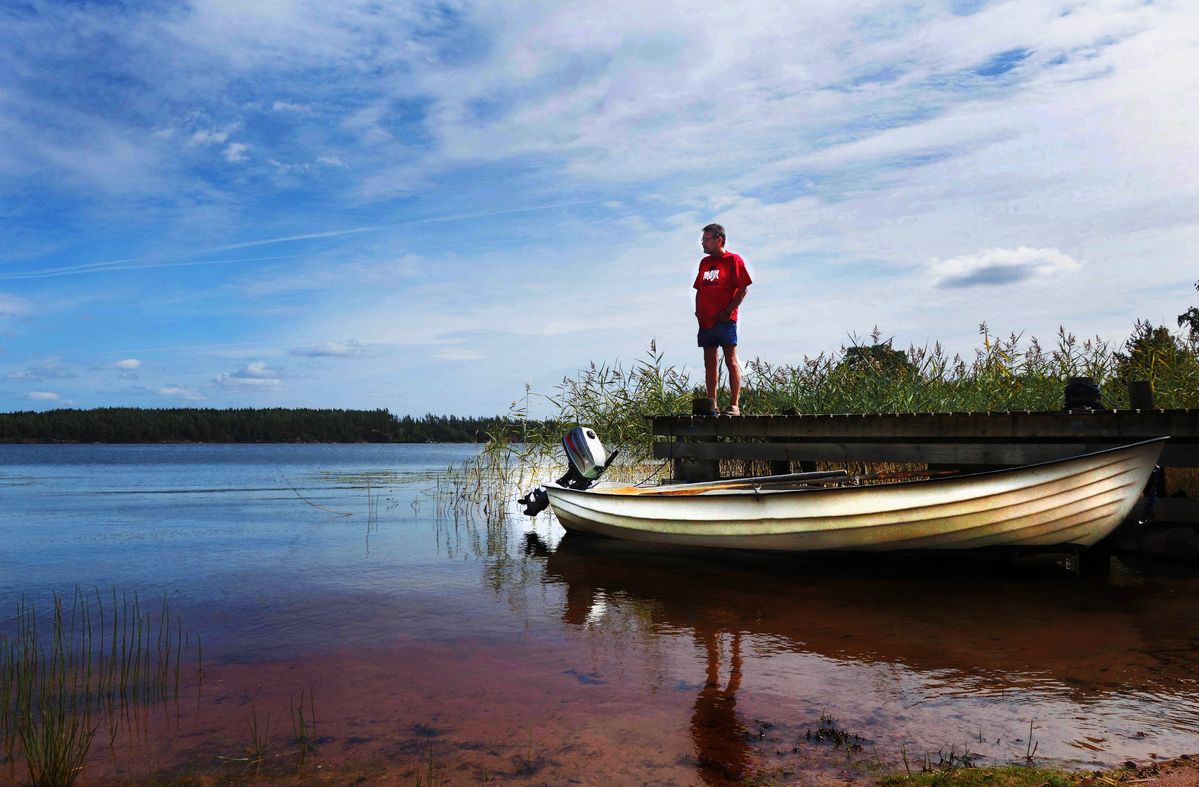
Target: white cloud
x=1000 y=267
x=288 y=106
x=128 y=364
x=43 y=396
x=180 y=392
x=236 y=152
x=255 y=374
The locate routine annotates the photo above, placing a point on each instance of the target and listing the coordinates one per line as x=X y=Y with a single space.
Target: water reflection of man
x=720 y=286
x=721 y=740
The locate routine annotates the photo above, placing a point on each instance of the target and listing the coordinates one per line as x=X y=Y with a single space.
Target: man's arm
x=738 y=296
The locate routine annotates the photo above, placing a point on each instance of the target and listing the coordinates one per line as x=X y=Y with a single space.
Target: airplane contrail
x=135 y=263
x=405 y=223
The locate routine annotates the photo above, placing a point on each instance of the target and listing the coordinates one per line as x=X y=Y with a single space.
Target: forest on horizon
x=242 y=425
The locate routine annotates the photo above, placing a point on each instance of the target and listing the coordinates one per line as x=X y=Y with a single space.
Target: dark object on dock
x=1140 y=395
x=1082 y=393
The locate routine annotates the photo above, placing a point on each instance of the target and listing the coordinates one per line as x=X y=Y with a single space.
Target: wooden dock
x=697 y=444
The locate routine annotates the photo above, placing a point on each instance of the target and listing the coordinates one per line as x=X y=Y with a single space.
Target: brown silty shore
x=684 y=678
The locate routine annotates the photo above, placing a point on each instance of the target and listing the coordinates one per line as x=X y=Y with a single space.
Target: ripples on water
x=404 y=617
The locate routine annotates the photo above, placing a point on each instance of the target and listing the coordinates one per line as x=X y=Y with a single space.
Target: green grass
x=1000 y=776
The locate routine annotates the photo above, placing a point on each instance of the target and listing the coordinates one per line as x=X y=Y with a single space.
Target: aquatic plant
x=259 y=738
x=432 y=774
x=303 y=725
x=58 y=688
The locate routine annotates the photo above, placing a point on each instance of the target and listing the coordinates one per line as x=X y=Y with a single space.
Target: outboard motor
x=588 y=461
x=535 y=502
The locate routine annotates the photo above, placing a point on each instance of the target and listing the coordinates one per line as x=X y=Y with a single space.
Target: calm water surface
x=504 y=649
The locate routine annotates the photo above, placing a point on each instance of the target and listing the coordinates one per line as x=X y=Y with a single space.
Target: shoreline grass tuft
x=59 y=687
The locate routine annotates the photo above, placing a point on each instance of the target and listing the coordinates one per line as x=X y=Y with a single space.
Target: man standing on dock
x=720 y=286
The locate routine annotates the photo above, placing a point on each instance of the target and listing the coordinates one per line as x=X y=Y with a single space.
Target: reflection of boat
x=982 y=625
x=894 y=648
x=1071 y=502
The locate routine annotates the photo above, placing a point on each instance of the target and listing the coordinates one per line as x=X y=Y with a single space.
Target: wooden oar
x=896 y=475
x=695 y=487
x=818 y=478
x=767 y=479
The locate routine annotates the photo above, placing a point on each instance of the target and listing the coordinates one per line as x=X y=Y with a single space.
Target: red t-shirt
x=717 y=280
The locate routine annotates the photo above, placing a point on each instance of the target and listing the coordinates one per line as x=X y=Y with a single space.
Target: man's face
x=712 y=243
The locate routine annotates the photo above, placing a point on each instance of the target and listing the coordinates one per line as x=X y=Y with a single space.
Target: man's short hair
x=715 y=229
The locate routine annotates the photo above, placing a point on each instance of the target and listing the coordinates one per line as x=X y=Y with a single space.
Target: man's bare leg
x=711 y=373
x=730 y=360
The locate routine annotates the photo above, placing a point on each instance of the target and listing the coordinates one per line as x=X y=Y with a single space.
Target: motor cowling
x=587 y=457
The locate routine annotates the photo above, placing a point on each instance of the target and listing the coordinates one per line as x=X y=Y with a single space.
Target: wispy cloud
x=51 y=369
x=457 y=354
x=11 y=306
x=209 y=137
x=181 y=392
x=329 y=350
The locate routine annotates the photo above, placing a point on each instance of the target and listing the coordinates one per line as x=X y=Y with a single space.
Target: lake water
x=428 y=638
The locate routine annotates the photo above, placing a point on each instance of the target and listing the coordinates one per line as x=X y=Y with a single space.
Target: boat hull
x=1072 y=502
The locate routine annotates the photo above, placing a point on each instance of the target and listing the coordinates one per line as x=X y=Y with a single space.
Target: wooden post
x=699 y=469
x=1140 y=395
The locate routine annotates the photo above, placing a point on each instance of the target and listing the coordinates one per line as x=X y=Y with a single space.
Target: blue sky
x=425 y=206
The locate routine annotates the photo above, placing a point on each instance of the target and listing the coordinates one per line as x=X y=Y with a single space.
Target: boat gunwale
x=824 y=490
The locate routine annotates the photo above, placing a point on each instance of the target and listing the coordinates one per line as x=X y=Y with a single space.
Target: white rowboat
x=1072 y=502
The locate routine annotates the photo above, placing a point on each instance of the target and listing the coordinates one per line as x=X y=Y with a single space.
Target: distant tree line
x=245 y=425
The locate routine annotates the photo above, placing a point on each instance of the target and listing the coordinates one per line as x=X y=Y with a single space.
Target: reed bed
x=96 y=661
x=867 y=376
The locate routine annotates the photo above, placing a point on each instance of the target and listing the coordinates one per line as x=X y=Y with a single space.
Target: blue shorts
x=723 y=334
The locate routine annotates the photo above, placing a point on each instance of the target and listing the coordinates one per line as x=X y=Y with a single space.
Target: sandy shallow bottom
x=375 y=719
x=448 y=713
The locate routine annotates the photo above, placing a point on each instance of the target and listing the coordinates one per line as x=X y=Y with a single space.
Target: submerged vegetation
x=871 y=376
x=63 y=684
